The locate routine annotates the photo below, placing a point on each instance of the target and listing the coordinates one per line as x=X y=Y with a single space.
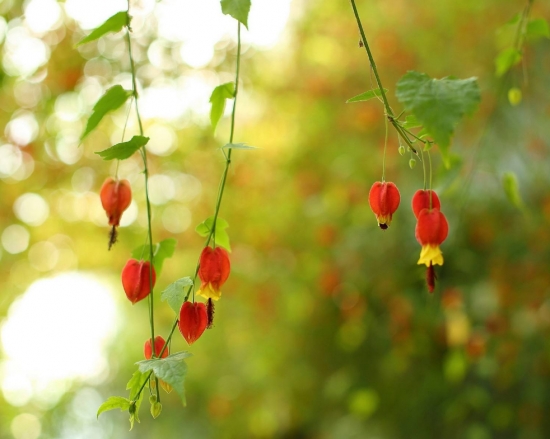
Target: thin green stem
x=430 y=162
x=423 y=168
x=384 y=156
x=146 y=175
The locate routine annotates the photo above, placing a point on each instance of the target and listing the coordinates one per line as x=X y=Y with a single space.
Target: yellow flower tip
x=430 y=254
x=384 y=221
x=209 y=292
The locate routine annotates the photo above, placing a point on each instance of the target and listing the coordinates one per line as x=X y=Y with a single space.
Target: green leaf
x=112 y=24
x=124 y=150
x=537 y=29
x=134 y=385
x=221 y=237
x=161 y=251
x=114 y=402
x=111 y=100
x=174 y=293
x=511 y=188
x=217 y=98
x=238 y=146
x=171 y=369
x=367 y=95
x=238 y=9
x=506 y=59
x=411 y=122
x=438 y=104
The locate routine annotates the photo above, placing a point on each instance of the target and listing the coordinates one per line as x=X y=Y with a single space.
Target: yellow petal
x=209 y=292
x=430 y=254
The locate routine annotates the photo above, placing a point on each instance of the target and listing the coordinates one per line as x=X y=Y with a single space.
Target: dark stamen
x=112 y=237
x=430 y=278
x=210 y=313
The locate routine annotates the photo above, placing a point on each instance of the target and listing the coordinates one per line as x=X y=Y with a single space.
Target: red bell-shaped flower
x=213 y=271
x=431 y=230
x=421 y=200
x=193 y=321
x=384 y=200
x=159 y=344
x=116 y=196
x=136 y=280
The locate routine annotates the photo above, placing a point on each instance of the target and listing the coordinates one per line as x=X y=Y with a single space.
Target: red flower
x=384 y=200
x=159 y=344
x=193 y=321
x=115 y=196
x=135 y=280
x=213 y=271
x=421 y=200
x=431 y=230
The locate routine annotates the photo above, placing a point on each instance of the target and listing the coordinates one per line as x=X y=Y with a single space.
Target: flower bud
x=384 y=200
x=193 y=320
x=159 y=344
x=213 y=271
x=136 y=279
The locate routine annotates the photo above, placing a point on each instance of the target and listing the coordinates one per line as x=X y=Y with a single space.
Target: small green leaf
x=511 y=188
x=238 y=146
x=537 y=29
x=506 y=59
x=112 y=24
x=124 y=150
x=220 y=236
x=411 y=122
x=367 y=95
x=171 y=369
x=161 y=251
x=238 y=9
x=134 y=385
x=114 y=402
x=218 y=97
x=438 y=104
x=113 y=98
x=174 y=293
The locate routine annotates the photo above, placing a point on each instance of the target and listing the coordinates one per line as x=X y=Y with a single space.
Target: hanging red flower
x=431 y=230
x=213 y=271
x=193 y=321
x=384 y=200
x=159 y=344
x=135 y=280
x=116 y=196
x=421 y=200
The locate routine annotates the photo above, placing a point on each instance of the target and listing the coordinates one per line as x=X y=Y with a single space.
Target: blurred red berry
x=193 y=321
x=213 y=271
x=159 y=344
x=431 y=230
x=421 y=200
x=136 y=280
x=116 y=196
x=384 y=200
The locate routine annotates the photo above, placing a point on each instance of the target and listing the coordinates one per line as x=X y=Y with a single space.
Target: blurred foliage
x=325 y=329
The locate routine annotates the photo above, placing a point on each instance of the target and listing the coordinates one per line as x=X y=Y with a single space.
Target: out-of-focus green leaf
x=455 y=366
x=217 y=99
x=238 y=146
x=114 y=402
x=124 y=150
x=537 y=29
x=221 y=237
x=112 y=24
x=161 y=251
x=506 y=59
x=511 y=188
x=238 y=9
x=174 y=293
x=438 y=104
x=367 y=95
x=411 y=122
x=171 y=369
x=113 y=98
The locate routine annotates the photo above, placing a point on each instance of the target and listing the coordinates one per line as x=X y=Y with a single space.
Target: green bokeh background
x=325 y=329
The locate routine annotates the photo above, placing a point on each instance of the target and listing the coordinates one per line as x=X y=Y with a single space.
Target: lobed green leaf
x=238 y=9
x=114 y=402
x=217 y=99
x=112 y=24
x=161 y=251
x=438 y=104
x=221 y=237
x=367 y=95
x=506 y=60
x=171 y=369
x=124 y=150
x=113 y=98
x=174 y=293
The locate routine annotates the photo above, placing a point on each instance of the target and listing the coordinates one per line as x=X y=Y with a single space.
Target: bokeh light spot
x=31 y=209
x=15 y=239
x=26 y=426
